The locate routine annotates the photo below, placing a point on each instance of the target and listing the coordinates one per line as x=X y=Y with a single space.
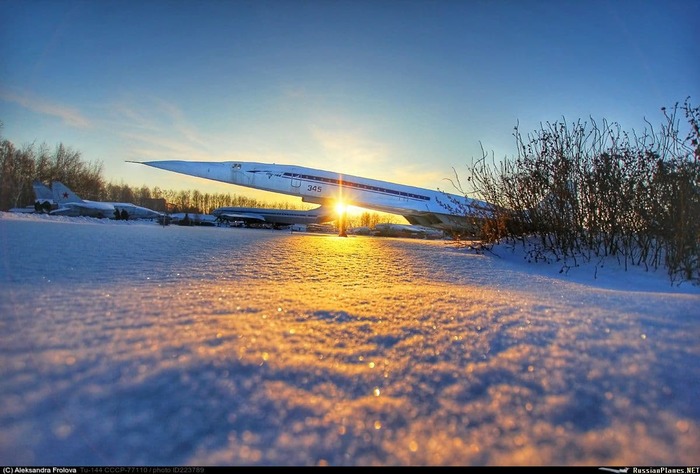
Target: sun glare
x=340 y=208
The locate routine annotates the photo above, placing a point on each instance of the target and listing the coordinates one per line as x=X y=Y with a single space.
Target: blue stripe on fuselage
x=352 y=185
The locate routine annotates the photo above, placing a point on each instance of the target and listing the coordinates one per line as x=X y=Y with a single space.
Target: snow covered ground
x=133 y=344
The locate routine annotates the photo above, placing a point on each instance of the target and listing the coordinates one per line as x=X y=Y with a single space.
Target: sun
x=341 y=208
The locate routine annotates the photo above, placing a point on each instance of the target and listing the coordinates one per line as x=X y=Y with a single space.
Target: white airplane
x=276 y=217
x=419 y=206
x=70 y=204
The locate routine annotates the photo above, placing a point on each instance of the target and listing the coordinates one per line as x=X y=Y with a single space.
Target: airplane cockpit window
x=236 y=166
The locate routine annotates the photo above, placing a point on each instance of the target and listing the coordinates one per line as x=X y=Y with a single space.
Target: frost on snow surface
x=128 y=343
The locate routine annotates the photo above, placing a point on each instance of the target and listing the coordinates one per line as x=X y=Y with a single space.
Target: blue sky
x=403 y=91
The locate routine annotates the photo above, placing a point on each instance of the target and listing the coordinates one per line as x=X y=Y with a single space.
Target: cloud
x=155 y=128
x=69 y=115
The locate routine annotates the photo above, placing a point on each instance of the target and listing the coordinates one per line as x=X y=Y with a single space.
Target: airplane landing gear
x=342 y=224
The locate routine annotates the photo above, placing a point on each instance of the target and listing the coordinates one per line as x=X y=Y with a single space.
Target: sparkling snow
x=127 y=343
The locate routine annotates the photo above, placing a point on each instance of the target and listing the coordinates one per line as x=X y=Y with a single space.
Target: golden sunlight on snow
x=271 y=348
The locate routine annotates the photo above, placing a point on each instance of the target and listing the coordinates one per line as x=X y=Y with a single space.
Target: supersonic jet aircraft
x=418 y=205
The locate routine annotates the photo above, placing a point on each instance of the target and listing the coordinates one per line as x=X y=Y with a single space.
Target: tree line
x=20 y=167
x=584 y=191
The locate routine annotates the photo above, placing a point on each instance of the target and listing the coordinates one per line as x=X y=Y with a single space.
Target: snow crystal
x=128 y=343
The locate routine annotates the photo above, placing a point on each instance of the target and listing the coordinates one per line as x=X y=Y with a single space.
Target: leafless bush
x=585 y=191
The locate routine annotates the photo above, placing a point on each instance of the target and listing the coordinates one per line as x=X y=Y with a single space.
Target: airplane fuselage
x=70 y=204
x=417 y=205
x=277 y=217
x=105 y=210
x=134 y=211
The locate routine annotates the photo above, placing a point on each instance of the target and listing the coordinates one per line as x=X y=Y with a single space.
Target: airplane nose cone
x=219 y=171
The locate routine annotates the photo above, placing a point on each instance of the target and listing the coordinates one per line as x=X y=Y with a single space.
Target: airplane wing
x=92 y=209
x=92 y=205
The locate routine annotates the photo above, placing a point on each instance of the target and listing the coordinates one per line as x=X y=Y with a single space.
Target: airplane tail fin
x=41 y=192
x=43 y=198
x=61 y=193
